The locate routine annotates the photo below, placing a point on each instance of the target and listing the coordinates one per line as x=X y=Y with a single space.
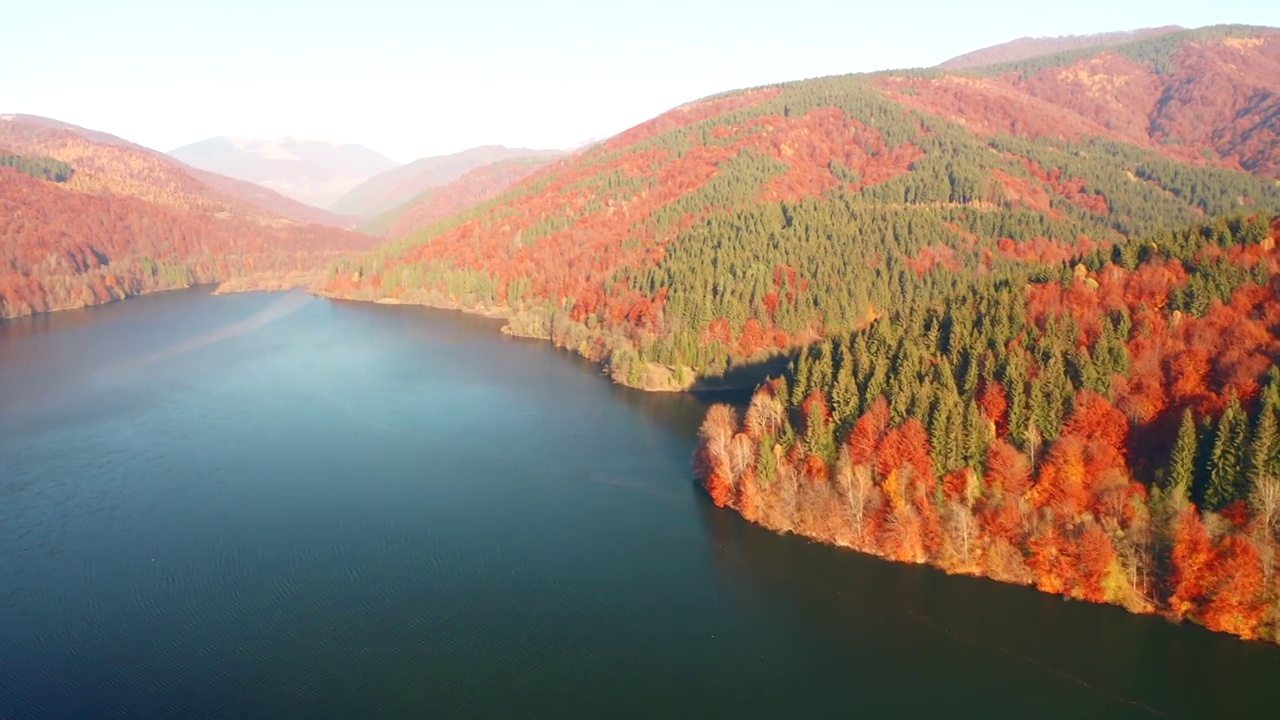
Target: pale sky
x=410 y=79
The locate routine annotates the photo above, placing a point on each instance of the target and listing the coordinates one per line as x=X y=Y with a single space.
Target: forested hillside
x=438 y=203
x=1025 y=48
x=1205 y=97
x=1035 y=309
x=730 y=230
x=1101 y=426
x=394 y=188
x=87 y=219
x=43 y=168
x=108 y=164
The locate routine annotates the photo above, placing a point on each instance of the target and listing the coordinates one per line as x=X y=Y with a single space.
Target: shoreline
x=262 y=282
x=653 y=377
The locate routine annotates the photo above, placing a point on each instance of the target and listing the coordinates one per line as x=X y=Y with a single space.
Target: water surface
x=268 y=505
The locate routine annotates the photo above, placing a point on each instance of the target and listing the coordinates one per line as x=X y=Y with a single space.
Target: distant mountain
x=396 y=187
x=438 y=203
x=87 y=218
x=107 y=162
x=313 y=172
x=1028 y=47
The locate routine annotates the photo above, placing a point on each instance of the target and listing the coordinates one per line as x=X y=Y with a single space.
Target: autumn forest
x=1031 y=309
x=1017 y=317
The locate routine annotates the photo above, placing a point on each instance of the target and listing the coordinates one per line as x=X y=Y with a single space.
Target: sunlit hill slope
x=119 y=219
x=735 y=227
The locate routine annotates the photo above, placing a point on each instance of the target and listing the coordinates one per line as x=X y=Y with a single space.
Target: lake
x=271 y=505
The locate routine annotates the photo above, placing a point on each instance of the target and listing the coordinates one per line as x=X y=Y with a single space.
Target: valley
x=793 y=398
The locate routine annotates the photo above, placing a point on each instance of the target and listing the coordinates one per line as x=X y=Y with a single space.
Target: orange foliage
x=867 y=433
x=934 y=256
x=994 y=403
x=480 y=184
x=1018 y=192
x=1050 y=560
x=752 y=339
x=689 y=114
x=905 y=447
x=1008 y=471
x=60 y=248
x=1097 y=420
x=1215 y=103
x=1072 y=189
x=1238 y=605
x=1097 y=554
x=107 y=165
x=1192 y=555
x=1063 y=483
x=815 y=469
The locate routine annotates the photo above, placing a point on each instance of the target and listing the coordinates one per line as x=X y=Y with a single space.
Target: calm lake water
x=268 y=505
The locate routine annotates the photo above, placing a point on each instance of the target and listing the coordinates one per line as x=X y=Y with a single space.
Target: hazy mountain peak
x=313 y=171
x=397 y=186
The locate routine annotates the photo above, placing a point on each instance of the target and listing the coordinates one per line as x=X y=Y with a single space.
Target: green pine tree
x=1264 y=448
x=844 y=394
x=1227 y=482
x=1181 y=471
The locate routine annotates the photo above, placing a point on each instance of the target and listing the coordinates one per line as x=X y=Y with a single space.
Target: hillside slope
x=1030 y=47
x=312 y=172
x=439 y=203
x=1106 y=429
x=392 y=189
x=88 y=218
x=1034 y=309
x=739 y=226
x=106 y=163
x=1204 y=97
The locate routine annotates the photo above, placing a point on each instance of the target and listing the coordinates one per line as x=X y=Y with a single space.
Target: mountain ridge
x=310 y=171
x=1028 y=315
x=1025 y=48
x=1030 y=140
x=392 y=189
x=440 y=202
x=98 y=218
x=31 y=134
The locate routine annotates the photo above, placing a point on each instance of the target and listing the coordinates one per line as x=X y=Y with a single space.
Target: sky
x=417 y=78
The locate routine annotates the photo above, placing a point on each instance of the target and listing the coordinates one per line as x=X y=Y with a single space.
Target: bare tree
x=963 y=529
x=717 y=431
x=741 y=455
x=855 y=481
x=1265 y=501
x=764 y=415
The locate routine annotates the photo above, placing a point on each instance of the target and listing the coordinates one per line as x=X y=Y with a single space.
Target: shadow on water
x=1074 y=659
x=743 y=378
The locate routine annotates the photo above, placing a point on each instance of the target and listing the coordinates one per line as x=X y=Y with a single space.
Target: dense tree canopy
x=42 y=168
x=1032 y=310
x=751 y=223
x=1061 y=429
x=86 y=221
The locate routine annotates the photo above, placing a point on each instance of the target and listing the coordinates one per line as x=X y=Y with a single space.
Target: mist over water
x=270 y=505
